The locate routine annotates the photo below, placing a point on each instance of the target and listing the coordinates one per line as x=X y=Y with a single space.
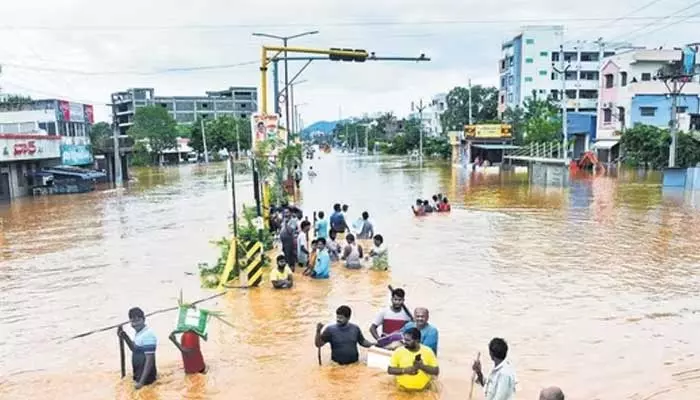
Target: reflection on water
x=595 y=286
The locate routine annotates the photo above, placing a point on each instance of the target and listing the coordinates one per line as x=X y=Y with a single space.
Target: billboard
x=264 y=127
x=18 y=147
x=89 y=114
x=488 y=131
x=75 y=154
x=75 y=112
x=63 y=112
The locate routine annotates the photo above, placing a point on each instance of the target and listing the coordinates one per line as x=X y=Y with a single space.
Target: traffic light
x=470 y=130
x=356 y=55
x=506 y=130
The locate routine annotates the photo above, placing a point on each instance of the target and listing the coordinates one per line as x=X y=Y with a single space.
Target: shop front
x=20 y=155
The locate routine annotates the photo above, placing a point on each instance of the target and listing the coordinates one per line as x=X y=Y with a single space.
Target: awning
x=605 y=144
x=496 y=146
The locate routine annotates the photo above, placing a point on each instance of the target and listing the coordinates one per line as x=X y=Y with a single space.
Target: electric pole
x=238 y=141
x=420 y=107
x=562 y=77
x=470 y=102
x=115 y=142
x=204 y=142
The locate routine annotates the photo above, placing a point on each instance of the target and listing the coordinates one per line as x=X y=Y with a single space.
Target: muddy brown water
x=595 y=287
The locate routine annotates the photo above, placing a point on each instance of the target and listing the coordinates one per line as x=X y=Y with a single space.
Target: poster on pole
x=264 y=127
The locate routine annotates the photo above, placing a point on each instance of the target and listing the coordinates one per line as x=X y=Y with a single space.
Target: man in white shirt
x=303 y=245
x=500 y=385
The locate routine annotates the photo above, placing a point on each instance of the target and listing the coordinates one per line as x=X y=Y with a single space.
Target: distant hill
x=321 y=126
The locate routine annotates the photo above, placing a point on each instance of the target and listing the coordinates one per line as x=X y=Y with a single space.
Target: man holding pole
x=143 y=348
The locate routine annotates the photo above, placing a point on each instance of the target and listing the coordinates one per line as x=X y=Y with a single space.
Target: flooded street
x=595 y=287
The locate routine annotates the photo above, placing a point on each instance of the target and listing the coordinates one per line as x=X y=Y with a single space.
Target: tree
x=515 y=117
x=646 y=146
x=99 y=133
x=224 y=132
x=14 y=102
x=542 y=120
x=156 y=126
x=484 y=107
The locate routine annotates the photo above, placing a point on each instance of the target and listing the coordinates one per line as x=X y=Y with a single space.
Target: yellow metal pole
x=263 y=80
x=307 y=50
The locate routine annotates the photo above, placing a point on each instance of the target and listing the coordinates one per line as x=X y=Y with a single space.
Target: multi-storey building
x=631 y=94
x=431 y=114
x=528 y=65
x=235 y=101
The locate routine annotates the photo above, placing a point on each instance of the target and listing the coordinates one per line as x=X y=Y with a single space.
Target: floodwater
x=595 y=287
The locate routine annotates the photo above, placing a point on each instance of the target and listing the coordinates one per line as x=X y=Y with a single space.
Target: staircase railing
x=538 y=150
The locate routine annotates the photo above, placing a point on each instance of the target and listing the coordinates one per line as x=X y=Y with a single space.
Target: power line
x=621 y=18
x=668 y=25
x=317 y=24
x=55 y=95
x=670 y=16
x=127 y=72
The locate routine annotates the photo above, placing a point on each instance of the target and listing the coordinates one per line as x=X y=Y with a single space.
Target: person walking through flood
x=352 y=254
x=282 y=277
x=303 y=244
x=143 y=348
x=289 y=247
x=333 y=246
x=366 y=231
x=444 y=205
x=413 y=364
x=391 y=319
x=552 y=393
x=297 y=175
x=500 y=385
x=418 y=209
x=379 y=255
x=321 y=226
x=337 y=220
x=343 y=336
x=192 y=358
x=322 y=267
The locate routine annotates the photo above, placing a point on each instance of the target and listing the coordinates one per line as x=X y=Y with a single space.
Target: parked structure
x=235 y=101
x=630 y=94
x=526 y=66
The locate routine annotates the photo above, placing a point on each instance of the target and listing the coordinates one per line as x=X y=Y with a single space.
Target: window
x=623 y=78
x=587 y=94
x=503 y=99
x=609 y=81
x=510 y=79
x=589 y=75
x=570 y=56
x=529 y=60
x=529 y=41
x=528 y=79
x=541 y=91
x=544 y=54
x=571 y=75
x=510 y=97
x=681 y=110
x=571 y=94
x=621 y=115
x=608 y=54
x=503 y=81
x=646 y=76
x=543 y=73
x=647 y=111
x=555 y=94
x=555 y=76
x=607 y=115
x=589 y=56
x=555 y=56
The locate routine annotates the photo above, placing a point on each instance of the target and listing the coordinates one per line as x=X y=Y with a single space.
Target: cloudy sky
x=82 y=50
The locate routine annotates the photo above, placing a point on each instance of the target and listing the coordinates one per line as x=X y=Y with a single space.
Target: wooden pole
x=471 y=387
x=122 y=356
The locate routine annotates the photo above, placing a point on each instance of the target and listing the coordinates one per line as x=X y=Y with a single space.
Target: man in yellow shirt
x=282 y=276
x=413 y=364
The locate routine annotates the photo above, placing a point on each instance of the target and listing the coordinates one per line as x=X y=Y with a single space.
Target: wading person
x=192 y=358
x=282 y=277
x=413 y=364
x=391 y=319
x=321 y=226
x=367 y=229
x=352 y=254
x=289 y=248
x=379 y=254
x=297 y=175
x=322 y=267
x=428 y=333
x=143 y=348
x=337 y=220
x=303 y=244
x=552 y=393
x=343 y=336
x=500 y=385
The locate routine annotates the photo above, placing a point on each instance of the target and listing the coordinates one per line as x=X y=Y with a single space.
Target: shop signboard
x=488 y=131
x=75 y=154
x=19 y=147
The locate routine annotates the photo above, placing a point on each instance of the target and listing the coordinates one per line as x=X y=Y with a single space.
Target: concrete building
x=526 y=65
x=235 y=101
x=630 y=94
x=432 y=125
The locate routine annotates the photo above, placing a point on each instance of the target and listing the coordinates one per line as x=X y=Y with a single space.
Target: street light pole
x=420 y=108
x=285 y=40
x=115 y=143
x=204 y=142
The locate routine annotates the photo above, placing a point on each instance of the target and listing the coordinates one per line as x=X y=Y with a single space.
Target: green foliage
x=222 y=133
x=156 y=126
x=140 y=157
x=14 y=102
x=541 y=120
x=185 y=131
x=247 y=233
x=648 y=146
x=99 y=133
x=484 y=107
x=515 y=117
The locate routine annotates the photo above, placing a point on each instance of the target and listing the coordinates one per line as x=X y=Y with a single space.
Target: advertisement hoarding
x=264 y=127
x=488 y=131
x=76 y=155
x=89 y=114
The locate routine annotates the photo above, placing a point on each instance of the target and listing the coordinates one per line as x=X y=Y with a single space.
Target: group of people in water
x=438 y=203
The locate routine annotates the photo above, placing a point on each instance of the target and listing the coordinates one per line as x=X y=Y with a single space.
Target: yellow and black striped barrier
x=252 y=265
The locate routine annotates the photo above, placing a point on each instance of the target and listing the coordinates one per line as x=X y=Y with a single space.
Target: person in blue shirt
x=321 y=227
x=322 y=269
x=337 y=220
x=428 y=333
x=143 y=348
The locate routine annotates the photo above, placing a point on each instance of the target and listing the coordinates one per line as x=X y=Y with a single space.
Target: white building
x=431 y=114
x=528 y=63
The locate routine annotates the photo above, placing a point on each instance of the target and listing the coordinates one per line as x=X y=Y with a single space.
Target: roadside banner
x=264 y=127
